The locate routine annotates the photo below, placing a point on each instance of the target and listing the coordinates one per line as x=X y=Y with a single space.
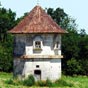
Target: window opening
x=57 y=45
x=37 y=66
x=37 y=44
x=37 y=72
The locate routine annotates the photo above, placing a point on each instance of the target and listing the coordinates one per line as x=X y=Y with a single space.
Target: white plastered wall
x=50 y=69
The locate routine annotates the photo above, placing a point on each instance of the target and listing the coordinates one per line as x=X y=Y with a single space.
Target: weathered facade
x=37 y=46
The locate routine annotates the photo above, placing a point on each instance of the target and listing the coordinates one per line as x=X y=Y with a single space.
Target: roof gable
x=37 y=21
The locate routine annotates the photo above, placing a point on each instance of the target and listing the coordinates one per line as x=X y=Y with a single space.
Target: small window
x=37 y=66
x=57 y=45
x=37 y=44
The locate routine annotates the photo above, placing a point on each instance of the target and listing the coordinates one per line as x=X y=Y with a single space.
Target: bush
x=13 y=82
x=30 y=81
x=48 y=83
x=10 y=81
x=6 y=55
x=73 y=67
x=41 y=83
x=62 y=83
x=84 y=67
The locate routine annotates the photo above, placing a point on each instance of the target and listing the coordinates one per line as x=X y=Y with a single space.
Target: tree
x=6 y=54
x=69 y=41
x=74 y=45
x=7 y=21
x=58 y=15
x=73 y=67
x=83 y=54
x=82 y=32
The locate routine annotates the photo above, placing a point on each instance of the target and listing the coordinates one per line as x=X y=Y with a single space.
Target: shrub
x=48 y=83
x=73 y=67
x=62 y=83
x=84 y=67
x=10 y=81
x=13 y=82
x=30 y=81
x=41 y=83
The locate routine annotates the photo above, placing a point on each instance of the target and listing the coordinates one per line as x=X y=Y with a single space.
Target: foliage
x=30 y=81
x=44 y=83
x=84 y=67
x=41 y=83
x=7 y=21
x=74 y=44
x=83 y=54
x=58 y=15
x=49 y=83
x=10 y=81
x=13 y=81
x=83 y=45
x=64 y=82
x=6 y=49
x=73 y=67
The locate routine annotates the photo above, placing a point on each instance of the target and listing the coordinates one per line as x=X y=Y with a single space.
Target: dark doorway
x=37 y=74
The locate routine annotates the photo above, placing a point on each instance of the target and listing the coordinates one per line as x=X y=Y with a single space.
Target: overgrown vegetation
x=7 y=21
x=30 y=81
x=7 y=81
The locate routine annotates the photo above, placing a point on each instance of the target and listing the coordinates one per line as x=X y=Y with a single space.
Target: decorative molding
x=42 y=56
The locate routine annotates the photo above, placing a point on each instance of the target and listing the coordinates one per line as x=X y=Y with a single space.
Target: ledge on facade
x=37 y=49
x=42 y=56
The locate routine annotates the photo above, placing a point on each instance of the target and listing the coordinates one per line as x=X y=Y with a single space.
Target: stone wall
x=42 y=68
x=24 y=44
x=50 y=68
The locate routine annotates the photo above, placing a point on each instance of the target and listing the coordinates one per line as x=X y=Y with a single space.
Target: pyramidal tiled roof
x=37 y=21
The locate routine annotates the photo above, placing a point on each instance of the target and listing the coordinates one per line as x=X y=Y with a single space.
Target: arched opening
x=37 y=43
x=37 y=74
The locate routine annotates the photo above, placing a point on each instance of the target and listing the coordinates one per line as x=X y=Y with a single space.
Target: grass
x=6 y=81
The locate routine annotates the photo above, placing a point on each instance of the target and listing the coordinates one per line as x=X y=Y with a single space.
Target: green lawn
x=65 y=82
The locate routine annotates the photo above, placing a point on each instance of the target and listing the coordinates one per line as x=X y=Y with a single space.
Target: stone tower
x=37 y=46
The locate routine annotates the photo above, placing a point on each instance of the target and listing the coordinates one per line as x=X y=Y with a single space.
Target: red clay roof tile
x=37 y=21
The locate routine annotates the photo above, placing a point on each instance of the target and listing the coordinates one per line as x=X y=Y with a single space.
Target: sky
x=77 y=9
